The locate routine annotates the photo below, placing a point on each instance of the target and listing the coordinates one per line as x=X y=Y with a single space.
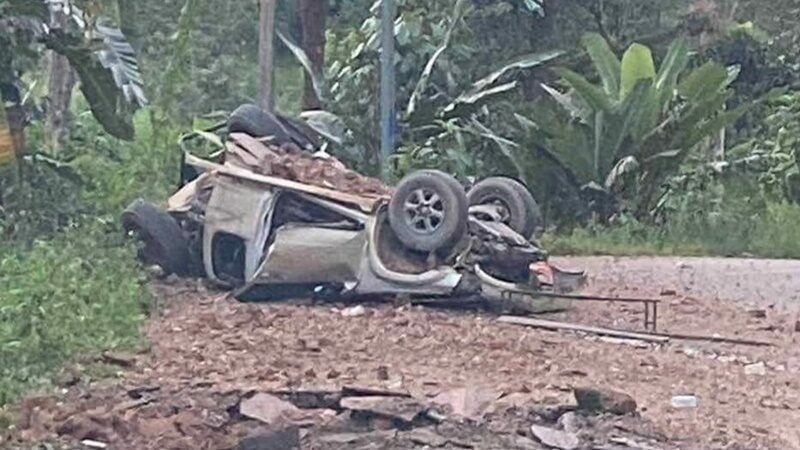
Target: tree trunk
x=62 y=81
x=266 y=53
x=60 y=84
x=312 y=18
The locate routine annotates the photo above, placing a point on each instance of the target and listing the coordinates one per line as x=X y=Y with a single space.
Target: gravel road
x=207 y=351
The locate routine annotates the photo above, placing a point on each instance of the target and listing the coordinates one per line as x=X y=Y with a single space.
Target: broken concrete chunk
x=467 y=402
x=405 y=409
x=557 y=439
x=273 y=411
x=604 y=400
x=347 y=440
x=758 y=369
x=355 y=311
x=551 y=413
x=425 y=437
x=288 y=439
x=570 y=422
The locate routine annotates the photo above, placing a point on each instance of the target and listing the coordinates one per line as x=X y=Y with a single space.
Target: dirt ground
x=208 y=352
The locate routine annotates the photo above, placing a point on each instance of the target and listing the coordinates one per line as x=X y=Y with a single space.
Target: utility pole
x=266 y=53
x=388 y=118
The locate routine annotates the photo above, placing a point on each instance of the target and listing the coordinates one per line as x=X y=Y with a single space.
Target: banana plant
x=100 y=54
x=440 y=115
x=627 y=133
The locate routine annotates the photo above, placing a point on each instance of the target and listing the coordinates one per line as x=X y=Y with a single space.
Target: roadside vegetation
x=642 y=127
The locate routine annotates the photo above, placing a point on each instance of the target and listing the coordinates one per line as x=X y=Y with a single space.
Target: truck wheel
x=163 y=239
x=252 y=120
x=427 y=212
x=518 y=208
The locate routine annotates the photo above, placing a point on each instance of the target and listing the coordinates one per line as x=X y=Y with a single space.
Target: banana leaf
x=710 y=75
x=605 y=61
x=525 y=62
x=594 y=96
x=674 y=63
x=119 y=57
x=317 y=78
x=575 y=107
x=107 y=101
x=637 y=64
x=422 y=83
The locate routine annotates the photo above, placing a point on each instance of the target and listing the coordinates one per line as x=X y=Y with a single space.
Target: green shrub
x=71 y=285
x=76 y=294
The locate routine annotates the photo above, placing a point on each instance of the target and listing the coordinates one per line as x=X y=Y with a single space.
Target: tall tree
x=60 y=84
x=312 y=19
x=266 y=53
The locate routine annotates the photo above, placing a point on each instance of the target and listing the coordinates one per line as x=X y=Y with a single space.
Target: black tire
x=164 y=242
x=459 y=191
x=522 y=213
x=252 y=120
x=428 y=211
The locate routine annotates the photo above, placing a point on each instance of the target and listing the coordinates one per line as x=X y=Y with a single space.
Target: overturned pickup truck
x=271 y=216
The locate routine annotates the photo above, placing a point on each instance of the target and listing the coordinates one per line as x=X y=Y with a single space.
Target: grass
x=769 y=233
x=78 y=293
x=71 y=285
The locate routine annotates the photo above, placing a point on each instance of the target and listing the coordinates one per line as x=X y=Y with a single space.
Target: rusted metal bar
x=650 y=305
x=715 y=339
x=660 y=338
x=551 y=325
x=597 y=298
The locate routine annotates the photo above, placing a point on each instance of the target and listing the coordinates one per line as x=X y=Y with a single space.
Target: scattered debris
x=604 y=400
x=352 y=438
x=93 y=444
x=684 y=401
x=570 y=422
x=551 y=325
x=629 y=342
x=467 y=402
x=119 y=359
x=288 y=439
x=273 y=411
x=759 y=369
x=426 y=437
x=757 y=313
x=404 y=410
x=291 y=163
x=551 y=413
x=356 y=391
x=557 y=439
x=354 y=311
x=715 y=339
x=630 y=443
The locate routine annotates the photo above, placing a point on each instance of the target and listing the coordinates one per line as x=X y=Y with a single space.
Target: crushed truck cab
x=271 y=220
